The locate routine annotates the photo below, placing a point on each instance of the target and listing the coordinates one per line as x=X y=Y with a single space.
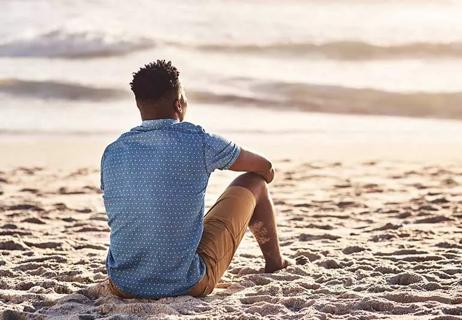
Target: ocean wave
x=62 y=44
x=86 y=44
x=267 y=94
x=57 y=90
x=342 y=50
x=343 y=100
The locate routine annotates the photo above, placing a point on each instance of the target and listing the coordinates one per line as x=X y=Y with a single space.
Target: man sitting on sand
x=154 y=179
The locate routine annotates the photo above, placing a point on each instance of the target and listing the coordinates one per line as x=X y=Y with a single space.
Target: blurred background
x=335 y=73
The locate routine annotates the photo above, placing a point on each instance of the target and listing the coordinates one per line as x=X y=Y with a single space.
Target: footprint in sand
x=82 y=190
x=61 y=206
x=56 y=258
x=405 y=278
x=89 y=246
x=404 y=215
x=319 y=226
x=247 y=270
x=353 y=249
x=312 y=237
x=69 y=219
x=66 y=190
x=258 y=279
x=329 y=264
x=258 y=298
x=301 y=260
x=93 y=229
x=34 y=220
x=387 y=226
x=13 y=232
x=12 y=244
x=434 y=219
x=25 y=206
x=311 y=256
x=30 y=190
x=9 y=226
x=44 y=245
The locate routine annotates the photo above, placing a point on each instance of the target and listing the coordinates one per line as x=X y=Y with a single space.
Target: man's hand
x=270 y=176
x=252 y=162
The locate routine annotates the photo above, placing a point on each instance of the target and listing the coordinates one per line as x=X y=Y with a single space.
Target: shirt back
x=154 y=178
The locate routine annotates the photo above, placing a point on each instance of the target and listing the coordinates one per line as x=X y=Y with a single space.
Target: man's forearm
x=268 y=173
x=253 y=162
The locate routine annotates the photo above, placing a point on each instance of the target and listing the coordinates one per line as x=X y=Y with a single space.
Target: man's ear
x=178 y=106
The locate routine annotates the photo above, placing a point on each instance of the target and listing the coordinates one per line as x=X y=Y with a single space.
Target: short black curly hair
x=154 y=80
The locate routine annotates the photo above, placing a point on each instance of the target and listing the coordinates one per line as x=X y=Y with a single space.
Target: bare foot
x=270 y=268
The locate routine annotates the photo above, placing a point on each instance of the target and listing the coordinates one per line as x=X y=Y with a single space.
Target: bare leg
x=263 y=223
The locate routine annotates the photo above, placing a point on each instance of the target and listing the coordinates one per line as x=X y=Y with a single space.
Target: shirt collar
x=158 y=123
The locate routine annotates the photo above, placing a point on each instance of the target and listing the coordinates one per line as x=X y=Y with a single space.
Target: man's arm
x=252 y=162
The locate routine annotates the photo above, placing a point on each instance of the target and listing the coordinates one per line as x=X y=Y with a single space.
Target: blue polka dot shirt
x=154 y=178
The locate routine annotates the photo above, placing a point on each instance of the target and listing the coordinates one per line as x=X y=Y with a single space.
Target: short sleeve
x=102 y=171
x=219 y=152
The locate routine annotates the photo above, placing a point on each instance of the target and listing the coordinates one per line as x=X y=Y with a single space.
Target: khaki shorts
x=225 y=224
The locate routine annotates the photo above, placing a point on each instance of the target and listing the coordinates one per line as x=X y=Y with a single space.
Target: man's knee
x=252 y=181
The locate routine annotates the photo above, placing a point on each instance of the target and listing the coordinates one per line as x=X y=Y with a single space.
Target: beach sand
x=379 y=227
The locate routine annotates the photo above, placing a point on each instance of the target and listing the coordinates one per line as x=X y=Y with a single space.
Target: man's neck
x=157 y=118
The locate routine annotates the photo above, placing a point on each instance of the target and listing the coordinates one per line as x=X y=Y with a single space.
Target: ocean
x=65 y=66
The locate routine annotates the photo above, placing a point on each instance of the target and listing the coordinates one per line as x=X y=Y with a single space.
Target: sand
x=376 y=239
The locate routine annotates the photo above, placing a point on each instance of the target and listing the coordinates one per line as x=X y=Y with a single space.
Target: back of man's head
x=156 y=83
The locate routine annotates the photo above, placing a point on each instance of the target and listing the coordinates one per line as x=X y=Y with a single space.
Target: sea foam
x=65 y=44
